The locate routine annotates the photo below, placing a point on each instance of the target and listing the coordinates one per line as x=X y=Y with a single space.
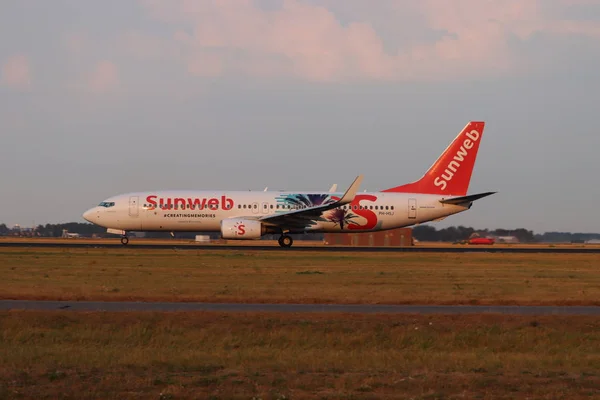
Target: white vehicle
x=441 y=192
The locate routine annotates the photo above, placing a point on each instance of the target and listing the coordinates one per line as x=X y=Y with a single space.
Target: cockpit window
x=107 y=204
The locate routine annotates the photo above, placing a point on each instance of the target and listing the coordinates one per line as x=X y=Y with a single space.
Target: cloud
x=16 y=72
x=297 y=39
x=104 y=77
x=306 y=40
x=75 y=43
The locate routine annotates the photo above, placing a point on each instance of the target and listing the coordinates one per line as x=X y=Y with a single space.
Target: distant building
x=592 y=241
x=66 y=234
x=21 y=231
x=507 y=239
x=202 y=238
x=401 y=237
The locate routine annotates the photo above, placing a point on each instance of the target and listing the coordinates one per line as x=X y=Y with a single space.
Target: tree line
x=426 y=233
x=53 y=230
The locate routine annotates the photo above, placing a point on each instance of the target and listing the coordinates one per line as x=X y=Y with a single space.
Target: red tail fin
x=451 y=173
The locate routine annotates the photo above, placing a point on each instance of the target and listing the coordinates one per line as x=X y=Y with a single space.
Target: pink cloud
x=309 y=41
x=146 y=47
x=76 y=42
x=16 y=72
x=205 y=64
x=104 y=77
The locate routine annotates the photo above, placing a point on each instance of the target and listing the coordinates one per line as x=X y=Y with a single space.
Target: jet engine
x=240 y=228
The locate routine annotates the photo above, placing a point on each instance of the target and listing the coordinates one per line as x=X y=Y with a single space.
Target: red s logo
x=364 y=212
x=355 y=208
x=241 y=229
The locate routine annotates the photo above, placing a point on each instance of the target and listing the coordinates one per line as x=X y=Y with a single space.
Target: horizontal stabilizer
x=466 y=199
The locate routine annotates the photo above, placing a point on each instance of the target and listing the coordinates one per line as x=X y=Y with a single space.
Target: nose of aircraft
x=88 y=215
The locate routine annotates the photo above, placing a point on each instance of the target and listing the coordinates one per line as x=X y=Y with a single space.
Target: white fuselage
x=193 y=211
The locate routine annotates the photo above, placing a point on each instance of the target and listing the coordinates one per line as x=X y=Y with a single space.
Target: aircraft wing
x=304 y=217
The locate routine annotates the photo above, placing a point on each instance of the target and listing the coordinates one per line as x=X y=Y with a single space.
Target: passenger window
x=391 y=207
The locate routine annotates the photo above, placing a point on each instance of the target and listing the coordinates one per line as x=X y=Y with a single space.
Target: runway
x=414 y=249
x=6 y=305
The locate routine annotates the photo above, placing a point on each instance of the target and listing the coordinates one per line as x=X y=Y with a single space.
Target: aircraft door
x=133 y=206
x=265 y=208
x=412 y=208
x=255 y=208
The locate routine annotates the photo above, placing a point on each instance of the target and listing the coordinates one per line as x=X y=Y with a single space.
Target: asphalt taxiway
x=118 y=306
x=413 y=249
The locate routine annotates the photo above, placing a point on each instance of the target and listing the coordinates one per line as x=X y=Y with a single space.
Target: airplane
x=248 y=215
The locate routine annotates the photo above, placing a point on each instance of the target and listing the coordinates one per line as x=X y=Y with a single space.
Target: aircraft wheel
x=124 y=240
x=286 y=241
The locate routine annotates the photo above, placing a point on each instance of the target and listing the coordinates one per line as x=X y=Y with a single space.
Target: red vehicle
x=481 y=241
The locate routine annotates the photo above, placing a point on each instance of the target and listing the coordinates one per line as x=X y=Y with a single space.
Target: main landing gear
x=286 y=241
x=124 y=240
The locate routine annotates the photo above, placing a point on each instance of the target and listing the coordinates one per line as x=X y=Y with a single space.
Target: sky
x=99 y=98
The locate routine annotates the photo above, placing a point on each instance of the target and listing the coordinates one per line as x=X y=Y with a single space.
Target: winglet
x=333 y=188
x=351 y=192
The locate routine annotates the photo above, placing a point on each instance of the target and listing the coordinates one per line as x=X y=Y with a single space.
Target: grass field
x=227 y=356
x=246 y=275
x=163 y=356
